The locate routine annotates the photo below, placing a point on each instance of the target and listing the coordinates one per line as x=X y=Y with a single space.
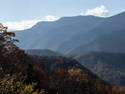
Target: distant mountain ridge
x=74 y=35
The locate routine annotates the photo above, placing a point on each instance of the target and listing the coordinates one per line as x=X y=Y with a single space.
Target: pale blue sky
x=21 y=10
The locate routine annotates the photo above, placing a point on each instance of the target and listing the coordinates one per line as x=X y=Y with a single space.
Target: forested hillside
x=109 y=66
x=24 y=74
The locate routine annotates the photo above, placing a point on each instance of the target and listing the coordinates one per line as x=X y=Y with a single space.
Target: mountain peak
x=78 y=17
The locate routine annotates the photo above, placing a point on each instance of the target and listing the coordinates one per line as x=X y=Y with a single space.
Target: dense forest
x=24 y=74
x=108 y=66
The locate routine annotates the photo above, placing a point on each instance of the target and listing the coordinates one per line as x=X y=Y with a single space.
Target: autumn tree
x=11 y=57
x=78 y=75
x=13 y=66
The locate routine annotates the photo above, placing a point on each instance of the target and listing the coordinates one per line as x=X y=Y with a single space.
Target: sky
x=23 y=14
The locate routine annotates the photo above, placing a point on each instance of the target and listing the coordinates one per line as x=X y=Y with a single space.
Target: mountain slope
x=50 y=34
x=72 y=35
x=110 y=26
x=70 y=76
x=111 y=42
x=109 y=66
x=45 y=52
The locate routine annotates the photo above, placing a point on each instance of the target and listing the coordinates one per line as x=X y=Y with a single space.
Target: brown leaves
x=12 y=57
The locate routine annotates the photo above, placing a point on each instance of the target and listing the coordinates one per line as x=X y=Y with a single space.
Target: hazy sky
x=21 y=14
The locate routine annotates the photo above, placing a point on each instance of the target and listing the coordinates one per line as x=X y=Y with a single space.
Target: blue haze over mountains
x=75 y=35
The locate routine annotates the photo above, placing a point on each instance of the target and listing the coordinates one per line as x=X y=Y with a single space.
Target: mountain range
x=75 y=35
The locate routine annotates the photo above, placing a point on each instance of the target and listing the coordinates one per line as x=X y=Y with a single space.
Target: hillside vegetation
x=21 y=74
x=109 y=66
